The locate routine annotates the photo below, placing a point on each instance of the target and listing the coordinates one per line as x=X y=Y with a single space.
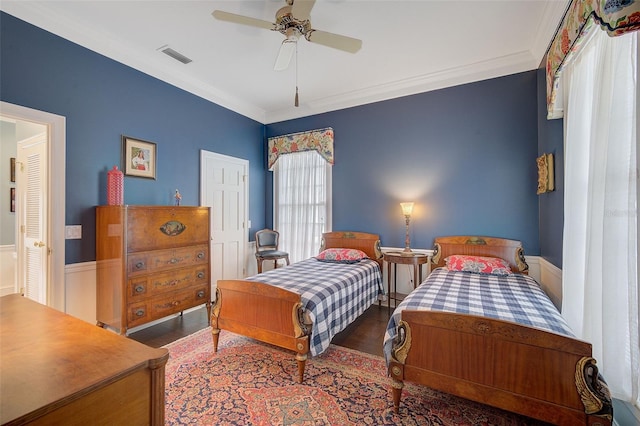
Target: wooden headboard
x=509 y=250
x=368 y=243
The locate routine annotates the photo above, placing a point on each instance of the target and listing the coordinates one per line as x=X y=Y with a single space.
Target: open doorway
x=27 y=121
x=24 y=260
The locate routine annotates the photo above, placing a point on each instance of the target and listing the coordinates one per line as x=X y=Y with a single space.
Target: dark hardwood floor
x=365 y=334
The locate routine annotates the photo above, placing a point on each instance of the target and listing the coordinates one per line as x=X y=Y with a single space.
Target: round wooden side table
x=396 y=258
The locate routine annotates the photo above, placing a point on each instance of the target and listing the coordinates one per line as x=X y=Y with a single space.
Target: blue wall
x=550 y=140
x=102 y=100
x=465 y=155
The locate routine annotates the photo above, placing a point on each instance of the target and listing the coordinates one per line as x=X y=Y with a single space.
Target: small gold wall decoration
x=545 y=173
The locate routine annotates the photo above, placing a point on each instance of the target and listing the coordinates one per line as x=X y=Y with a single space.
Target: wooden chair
x=267 y=248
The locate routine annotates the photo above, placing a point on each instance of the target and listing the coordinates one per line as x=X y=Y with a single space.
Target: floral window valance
x=614 y=16
x=320 y=140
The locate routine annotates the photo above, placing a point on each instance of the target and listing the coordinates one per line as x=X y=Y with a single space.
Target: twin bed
x=301 y=307
x=490 y=338
x=494 y=339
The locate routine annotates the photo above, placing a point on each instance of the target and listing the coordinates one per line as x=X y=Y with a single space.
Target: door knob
x=38 y=244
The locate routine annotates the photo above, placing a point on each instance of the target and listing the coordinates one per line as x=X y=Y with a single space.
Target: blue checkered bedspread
x=334 y=294
x=517 y=298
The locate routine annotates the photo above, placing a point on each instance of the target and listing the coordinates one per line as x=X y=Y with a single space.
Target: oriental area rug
x=250 y=383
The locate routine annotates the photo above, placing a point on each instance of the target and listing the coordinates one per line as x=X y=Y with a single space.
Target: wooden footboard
x=272 y=314
x=263 y=312
x=517 y=368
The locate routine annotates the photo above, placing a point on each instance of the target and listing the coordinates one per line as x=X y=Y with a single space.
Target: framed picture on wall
x=12 y=169
x=139 y=157
x=545 y=173
x=12 y=200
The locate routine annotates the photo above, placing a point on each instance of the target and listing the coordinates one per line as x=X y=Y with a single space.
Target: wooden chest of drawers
x=152 y=261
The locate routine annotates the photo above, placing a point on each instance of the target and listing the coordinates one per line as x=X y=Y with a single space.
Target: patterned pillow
x=341 y=255
x=478 y=264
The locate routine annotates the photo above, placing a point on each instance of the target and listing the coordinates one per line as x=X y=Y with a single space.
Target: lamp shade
x=407 y=208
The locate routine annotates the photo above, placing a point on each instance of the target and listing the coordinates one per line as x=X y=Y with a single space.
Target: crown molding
x=551 y=20
x=157 y=65
x=483 y=70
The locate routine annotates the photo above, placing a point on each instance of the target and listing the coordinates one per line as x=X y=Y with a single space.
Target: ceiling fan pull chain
x=295 y=102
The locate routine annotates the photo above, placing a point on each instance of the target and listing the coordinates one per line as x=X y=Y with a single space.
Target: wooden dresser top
x=48 y=358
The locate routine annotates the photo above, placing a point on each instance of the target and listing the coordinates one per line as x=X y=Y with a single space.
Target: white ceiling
x=408 y=47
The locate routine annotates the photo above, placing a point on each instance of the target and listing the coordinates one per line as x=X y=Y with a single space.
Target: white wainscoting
x=80 y=291
x=8 y=262
x=80 y=281
x=548 y=275
x=251 y=263
x=550 y=279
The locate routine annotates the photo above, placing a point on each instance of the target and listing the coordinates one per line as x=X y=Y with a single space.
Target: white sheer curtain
x=302 y=202
x=600 y=247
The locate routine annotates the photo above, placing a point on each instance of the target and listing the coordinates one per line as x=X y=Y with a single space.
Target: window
x=600 y=266
x=302 y=202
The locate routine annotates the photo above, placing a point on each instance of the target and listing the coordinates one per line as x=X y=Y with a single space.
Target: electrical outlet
x=73 y=232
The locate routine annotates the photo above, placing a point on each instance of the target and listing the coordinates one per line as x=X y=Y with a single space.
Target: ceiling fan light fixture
x=284 y=54
x=292 y=34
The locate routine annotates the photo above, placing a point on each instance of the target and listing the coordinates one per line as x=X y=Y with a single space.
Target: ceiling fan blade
x=284 y=55
x=301 y=9
x=348 y=44
x=244 y=20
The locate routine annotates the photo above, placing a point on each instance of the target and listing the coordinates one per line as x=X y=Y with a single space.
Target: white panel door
x=223 y=184
x=31 y=208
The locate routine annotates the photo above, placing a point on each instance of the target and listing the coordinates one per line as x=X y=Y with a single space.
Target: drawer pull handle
x=139 y=265
x=139 y=288
x=140 y=312
x=201 y=275
x=200 y=294
x=174 y=260
x=200 y=255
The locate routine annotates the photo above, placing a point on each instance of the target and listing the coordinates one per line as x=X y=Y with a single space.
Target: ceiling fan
x=293 y=21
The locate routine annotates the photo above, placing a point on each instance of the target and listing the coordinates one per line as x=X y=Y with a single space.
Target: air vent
x=175 y=55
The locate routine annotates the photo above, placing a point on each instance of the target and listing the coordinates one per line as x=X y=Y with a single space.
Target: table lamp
x=407 y=208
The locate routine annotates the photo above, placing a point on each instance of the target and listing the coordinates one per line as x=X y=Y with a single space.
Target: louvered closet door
x=31 y=187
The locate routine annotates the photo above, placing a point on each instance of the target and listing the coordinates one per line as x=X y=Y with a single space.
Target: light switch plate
x=73 y=232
